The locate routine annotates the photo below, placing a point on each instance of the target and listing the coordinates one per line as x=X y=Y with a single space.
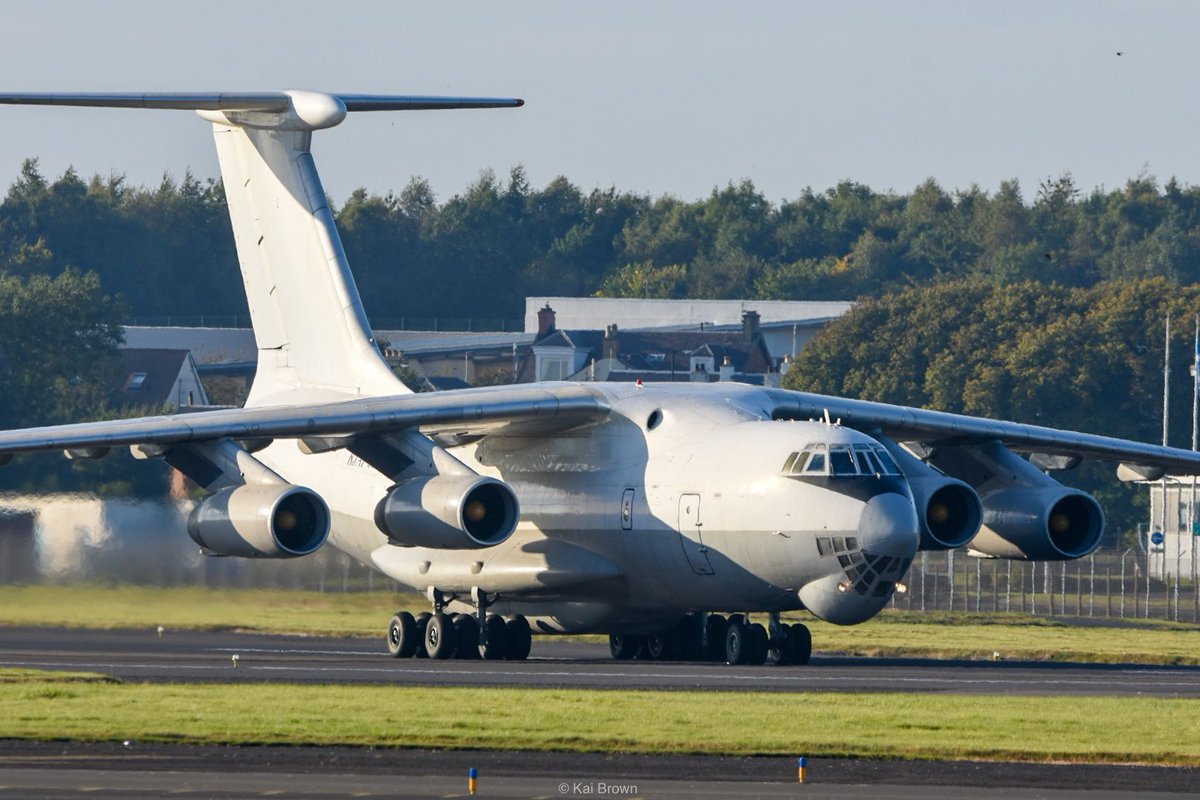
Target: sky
x=668 y=97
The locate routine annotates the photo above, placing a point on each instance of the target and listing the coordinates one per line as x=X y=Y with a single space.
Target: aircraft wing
x=938 y=427
x=532 y=408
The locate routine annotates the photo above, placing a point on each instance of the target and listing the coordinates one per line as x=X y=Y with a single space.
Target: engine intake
x=261 y=521
x=454 y=512
x=949 y=510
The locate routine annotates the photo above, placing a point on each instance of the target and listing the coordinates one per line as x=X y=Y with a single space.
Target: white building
x=1173 y=537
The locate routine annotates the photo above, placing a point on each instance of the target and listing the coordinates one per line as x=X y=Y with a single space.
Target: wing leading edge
x=940 y=427
x=541 y=408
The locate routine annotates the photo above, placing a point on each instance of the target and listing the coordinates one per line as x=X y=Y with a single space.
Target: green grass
x=893 y=633
x=1093 y=729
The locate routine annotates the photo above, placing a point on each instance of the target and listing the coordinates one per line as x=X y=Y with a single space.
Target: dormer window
x=135 y=381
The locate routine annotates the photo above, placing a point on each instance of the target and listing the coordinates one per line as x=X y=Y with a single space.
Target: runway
x=209 y=656
x=109 y=770
x=43 y=770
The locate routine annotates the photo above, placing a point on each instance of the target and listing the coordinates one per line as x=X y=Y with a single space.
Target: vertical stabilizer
x=313 y=337
x=308 y=319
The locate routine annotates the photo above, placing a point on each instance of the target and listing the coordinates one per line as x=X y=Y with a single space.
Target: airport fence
x=1104 y=585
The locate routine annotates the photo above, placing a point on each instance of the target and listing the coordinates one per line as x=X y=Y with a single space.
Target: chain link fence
x=1107 y=585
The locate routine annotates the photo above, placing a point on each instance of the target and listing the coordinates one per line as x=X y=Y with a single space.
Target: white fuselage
x=677 y=502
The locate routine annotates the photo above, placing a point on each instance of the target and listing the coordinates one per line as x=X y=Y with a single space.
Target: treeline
x=168 y=250
x=1085 y=359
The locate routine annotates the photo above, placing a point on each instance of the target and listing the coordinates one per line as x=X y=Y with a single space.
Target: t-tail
x=309 y=325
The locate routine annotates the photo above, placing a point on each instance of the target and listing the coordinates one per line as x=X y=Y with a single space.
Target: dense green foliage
x=168 y=250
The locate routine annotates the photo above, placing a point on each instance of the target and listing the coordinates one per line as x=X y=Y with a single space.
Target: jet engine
x=1039 y=524
x=454 y=512
x=949 y=510
x=1026 y=513
x=261 y=521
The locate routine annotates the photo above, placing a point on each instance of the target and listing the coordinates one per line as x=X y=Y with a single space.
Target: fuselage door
x=691 y=536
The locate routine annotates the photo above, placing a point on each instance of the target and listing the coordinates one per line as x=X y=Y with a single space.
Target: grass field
x=938 y=635
x=1125 y=729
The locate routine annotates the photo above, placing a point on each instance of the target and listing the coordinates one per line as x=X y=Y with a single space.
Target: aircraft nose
x=888 y=526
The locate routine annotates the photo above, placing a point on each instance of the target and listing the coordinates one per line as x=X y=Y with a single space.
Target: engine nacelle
x=948 y=509
x=1039 y=524
x=261 y=521
x=454 y=512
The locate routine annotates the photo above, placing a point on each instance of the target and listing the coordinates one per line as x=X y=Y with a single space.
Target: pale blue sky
x=655 y=97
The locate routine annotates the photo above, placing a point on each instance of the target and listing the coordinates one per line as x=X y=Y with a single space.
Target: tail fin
x=309 y=324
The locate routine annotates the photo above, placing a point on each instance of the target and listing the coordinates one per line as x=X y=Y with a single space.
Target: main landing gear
x=465 y=636
x=712 y=637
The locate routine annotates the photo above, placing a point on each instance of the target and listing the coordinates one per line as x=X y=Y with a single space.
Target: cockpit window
x=815 y=464
x=841 y=461
x=885 y=458
x=867 y=464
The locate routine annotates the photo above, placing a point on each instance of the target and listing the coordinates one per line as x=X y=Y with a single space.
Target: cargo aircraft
x=662 y=515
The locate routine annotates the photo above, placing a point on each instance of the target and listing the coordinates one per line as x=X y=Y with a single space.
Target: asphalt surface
x=193 y=656
x=56 y=769
x=45 y=770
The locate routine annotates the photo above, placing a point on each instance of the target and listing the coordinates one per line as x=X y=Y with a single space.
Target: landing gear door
x=690 y=534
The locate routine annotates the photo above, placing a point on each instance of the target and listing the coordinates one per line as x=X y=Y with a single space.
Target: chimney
x=612 y=342
x=726 y=370
x=750 y=320
x=545 y=322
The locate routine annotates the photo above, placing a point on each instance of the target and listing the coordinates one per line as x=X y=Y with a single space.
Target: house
x=649 y=355
x=157 y=378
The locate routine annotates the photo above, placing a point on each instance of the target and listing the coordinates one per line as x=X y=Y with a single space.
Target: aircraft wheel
x=466 y=635
x=757 y=640
x=519 y=638
x=402 y=636
x=717 y=627
x=803 y=643
x=783 y=650
x=624 y=647
x=497 y=639
x=439 y=637
x=737 y=644
x=662 y=646
x=422 y=622
x=691 y=639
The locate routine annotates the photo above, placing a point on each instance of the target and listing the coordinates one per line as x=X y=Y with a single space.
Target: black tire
x=802 y=637
x=439 y=637
x=737 y=644
x=783 y=651
x=466 y=634
x=691 y=639
x=759 y=643
x=422 y=621
x=402 y=636
x=662 y=646
x=520 y=638
x=624 y=648
x=497 y=639
x=717 y=626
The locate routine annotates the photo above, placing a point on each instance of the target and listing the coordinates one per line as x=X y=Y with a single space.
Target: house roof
x=657 y=351
x=147 y=376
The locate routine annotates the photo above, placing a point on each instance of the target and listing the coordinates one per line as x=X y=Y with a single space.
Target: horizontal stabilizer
x=254 y=101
